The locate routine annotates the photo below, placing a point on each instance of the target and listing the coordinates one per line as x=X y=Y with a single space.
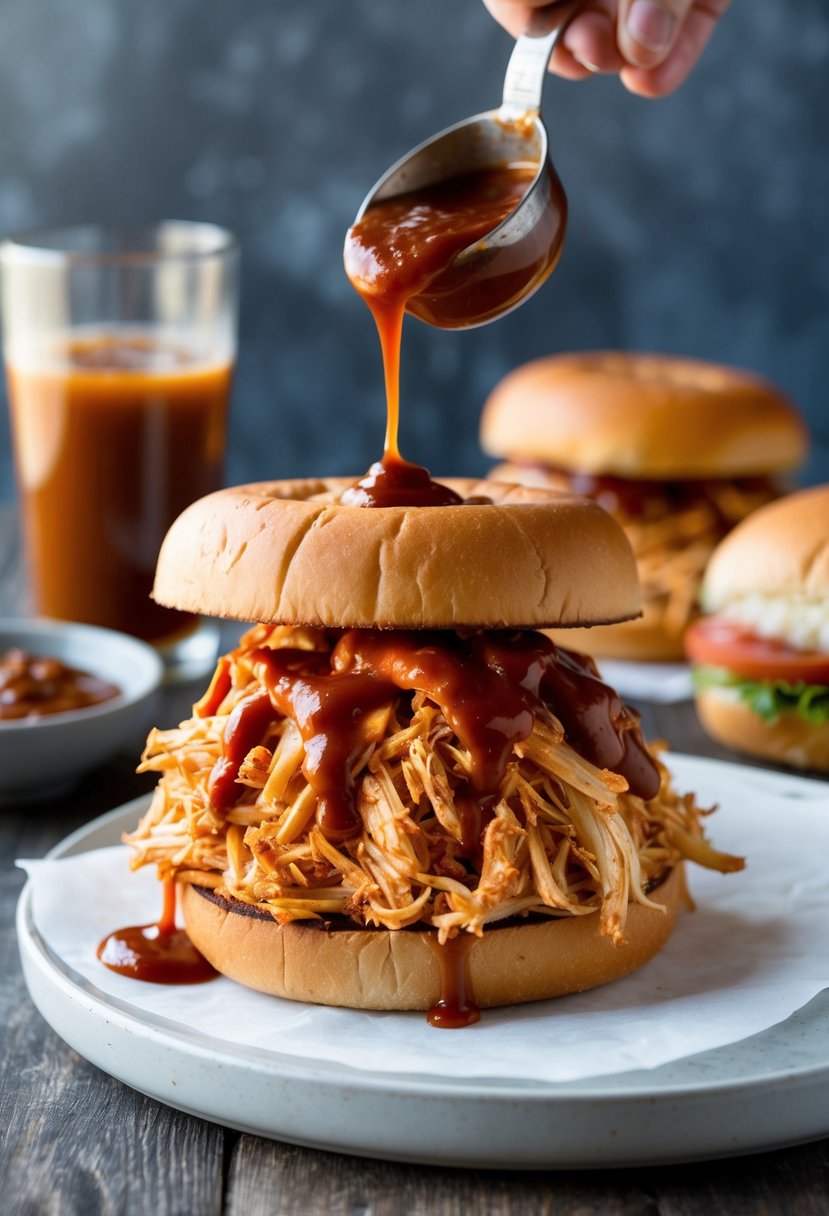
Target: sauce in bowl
x=34 y=686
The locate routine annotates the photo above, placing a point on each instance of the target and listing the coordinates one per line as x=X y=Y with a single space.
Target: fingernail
x=572 y=45
x=583 y=63
x=651 y=25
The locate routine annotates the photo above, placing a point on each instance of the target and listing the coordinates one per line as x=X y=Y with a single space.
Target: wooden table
x=76 y=1141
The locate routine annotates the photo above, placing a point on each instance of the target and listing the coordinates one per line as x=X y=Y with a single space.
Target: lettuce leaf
x=770 y=698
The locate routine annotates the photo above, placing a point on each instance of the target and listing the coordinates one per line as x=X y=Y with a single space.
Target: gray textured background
x=699 y=224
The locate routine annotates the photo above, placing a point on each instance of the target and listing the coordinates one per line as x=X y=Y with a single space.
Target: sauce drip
x=596 y=723
x=158 y=953
x=245 y=728
x=401 y=248
x=488 y=687
x=455 y=1008
x=217 y=690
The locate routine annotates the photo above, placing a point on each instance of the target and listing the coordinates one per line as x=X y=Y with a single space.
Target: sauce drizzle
x=488 y=686
x=455 y=1008
x=158 y=953
x=400 y=248
x=245 y=728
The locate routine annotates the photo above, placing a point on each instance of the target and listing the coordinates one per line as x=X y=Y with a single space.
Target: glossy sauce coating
x=34 y=686
x=401 y=248
x=394 y=482
x=245 y=729
x=488 y=687
x=158 y=953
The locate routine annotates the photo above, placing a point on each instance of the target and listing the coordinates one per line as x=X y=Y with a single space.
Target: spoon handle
x=528 y=63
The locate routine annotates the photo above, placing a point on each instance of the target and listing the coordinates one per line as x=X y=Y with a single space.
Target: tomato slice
x=722 y=643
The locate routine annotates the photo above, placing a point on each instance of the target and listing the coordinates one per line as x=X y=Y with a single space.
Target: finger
x=661 y=80
x=649 y=29
x=511 y=15
x=591 y=39
x=568 y=68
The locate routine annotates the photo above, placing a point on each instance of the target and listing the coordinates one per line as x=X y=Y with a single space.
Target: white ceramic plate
x=765 y=1092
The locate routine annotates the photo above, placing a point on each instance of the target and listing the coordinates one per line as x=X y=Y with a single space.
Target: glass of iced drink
x=119 y=352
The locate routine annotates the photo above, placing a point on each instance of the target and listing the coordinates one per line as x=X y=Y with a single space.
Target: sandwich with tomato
x=762 y=655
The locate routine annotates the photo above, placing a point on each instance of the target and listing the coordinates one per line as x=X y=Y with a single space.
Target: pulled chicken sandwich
x=678 y=450
x=381 y=806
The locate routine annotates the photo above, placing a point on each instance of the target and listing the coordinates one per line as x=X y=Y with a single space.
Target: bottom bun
x=399 y=969
x=644 y=639
x=790 y=740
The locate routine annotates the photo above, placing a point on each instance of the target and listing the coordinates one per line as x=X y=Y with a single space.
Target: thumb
x=648 y=29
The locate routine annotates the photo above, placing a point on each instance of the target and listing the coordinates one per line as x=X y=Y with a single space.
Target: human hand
x=651 y=44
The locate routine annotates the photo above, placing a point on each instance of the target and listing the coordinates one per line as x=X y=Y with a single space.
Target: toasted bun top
x=780 y=550
x=642 y=416
x=288 y=552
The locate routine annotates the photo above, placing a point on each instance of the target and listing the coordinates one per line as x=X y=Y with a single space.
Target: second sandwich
x=678 y=451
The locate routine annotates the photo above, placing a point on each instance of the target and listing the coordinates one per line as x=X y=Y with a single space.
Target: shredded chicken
x=673 y=540
x=564 y=838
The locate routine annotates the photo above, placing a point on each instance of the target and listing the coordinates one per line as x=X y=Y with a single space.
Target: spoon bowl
x=489 y=278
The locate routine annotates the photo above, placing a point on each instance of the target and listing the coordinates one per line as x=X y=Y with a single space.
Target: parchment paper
x=665 y=683
x=755 y=950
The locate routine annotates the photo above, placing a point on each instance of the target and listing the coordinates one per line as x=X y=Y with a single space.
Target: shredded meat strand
x=564 y=839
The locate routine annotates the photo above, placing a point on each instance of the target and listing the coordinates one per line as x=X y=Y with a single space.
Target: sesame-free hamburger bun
x=289 y=552
x=642 y=416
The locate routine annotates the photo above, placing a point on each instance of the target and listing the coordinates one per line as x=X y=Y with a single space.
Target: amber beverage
x=110 y=448
x=119 y=350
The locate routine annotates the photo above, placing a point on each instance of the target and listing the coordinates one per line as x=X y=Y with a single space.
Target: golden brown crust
x=643 y=416
x=781 y=549
x=790 y=740
x=387 y=969
x=287 y=552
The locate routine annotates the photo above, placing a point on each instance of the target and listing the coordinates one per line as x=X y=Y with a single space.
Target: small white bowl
x=39 y=757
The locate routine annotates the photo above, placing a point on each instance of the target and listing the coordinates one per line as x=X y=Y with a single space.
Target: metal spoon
x=532 y=235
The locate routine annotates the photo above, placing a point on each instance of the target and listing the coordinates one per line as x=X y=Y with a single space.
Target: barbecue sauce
x=35 y=686
x=655 y=498
x=455 y=1009
x=394 y=482
x=244 y=730
x=488 y=686
x=158 y=953
x=403 y=248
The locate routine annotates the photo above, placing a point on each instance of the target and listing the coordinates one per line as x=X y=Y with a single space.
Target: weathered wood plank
x=268 y=1179
x=74 y=1141
x=793 y=1182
